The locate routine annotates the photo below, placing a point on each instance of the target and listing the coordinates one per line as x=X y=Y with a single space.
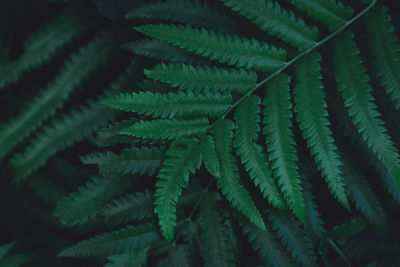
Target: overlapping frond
x=178 y=105
x=247 y=120
x=311 y=114
x=135 y=258
x=209 y=154
x=204 y=78
x=385 y=48
x=230 y=49
x=275 y=20
x=332 y=13
x=182 y=159
x=280 y=142
x=353 y=84
x=228 y=181
x=46 y=190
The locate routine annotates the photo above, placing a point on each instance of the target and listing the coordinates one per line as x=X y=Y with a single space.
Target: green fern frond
x=128 y=208
x=332 y=13
x=77 y=69
x=267 y=246
x=228 y=181
x=281 y=146
x=209 y=154
x=42 y=45
x=230 y=49
x=110 y=135
x=178 y=105
x=385 y=49
x=82 y=205
x=182 y=159
x=143 y=161
x=4 y=249
x=135 y=258
x=46 y=190
x=275 y=20
x=177 y=257
x=255 y=161
x=215 y=241
x=196 y=13
x=124 y=240
x=311 y=113
x=167 y=128
x=347 y=229
x=61 y=133
x=294 y=238
x=204 y=78
x=353 y=84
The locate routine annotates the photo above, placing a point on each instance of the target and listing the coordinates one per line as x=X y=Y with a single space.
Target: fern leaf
x=167 y=128
x=230 y=49
x=228 y=181
x=4 y=249
x=275 y=20
x=16 y=260
x=181 y=104
x=347 y=229
x=46 y=190
x=182 y=159
x=203 y=78
x=143 y=161
x=42 y=45
x=280 y=143
x=266 y=245
x=129 y=208
x=312 y=116
x=215 y=242
x=123 y=240
x=255 y=161
x=61 y=133
x=136 y=258
x=332 y=13
x=359 y=101
x=385 y=49
x=110 y=135
x=77 y=69
x=196 y=13
x=178 y=257
x=293 y=237
x=82 y=205
x=209 y=155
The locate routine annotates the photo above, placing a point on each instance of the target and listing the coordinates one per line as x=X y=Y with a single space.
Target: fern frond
x=385 y=49
x=182 y=159
x=79 y=206
x=143 y=161
x=119 y=241
x=177 y=257
x=353 y=84
x=196 y=13
x=267 y=246
x=347 y=229
x=129 y=208
x=228 y=181
x=167 y=128
x=275 y=20
x=135 y=258
x=42 y=45
x=310 y=108
x=255 y=161
x=215 y=242
x=294 y=238
x=110 y=135
x=4 y=249
x=204 y=78
x=332 y=13
x=61 y=133
x=16 y=260
x=230 y=49
x=281 y=146
x=46 y=190
x=77 y=69
x=209 y=154
x=178 y=105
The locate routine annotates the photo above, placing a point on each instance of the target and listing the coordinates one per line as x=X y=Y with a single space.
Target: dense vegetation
x=199 y=133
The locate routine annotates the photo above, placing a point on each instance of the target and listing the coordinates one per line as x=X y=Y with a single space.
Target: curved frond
x=178 y=105
x=209 y=154
x=167 y=128
x=332 y=13
x=230 y=49
x=311 y=114
x=353 y=84
x=228 y=181
x=182 y=159
x=281 y=145
x=204 y=78
x=247 y=119
x=275 y=20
